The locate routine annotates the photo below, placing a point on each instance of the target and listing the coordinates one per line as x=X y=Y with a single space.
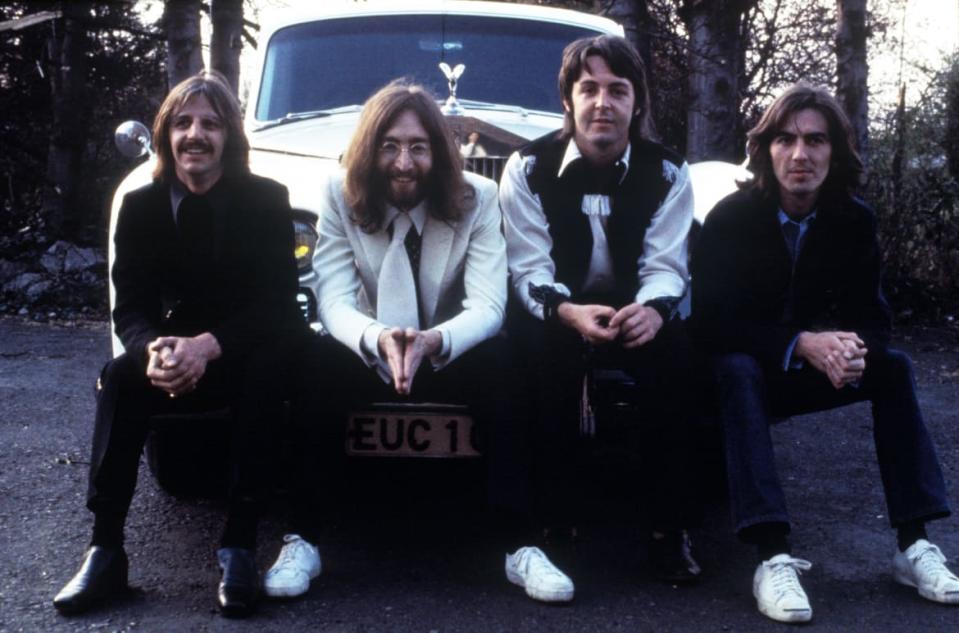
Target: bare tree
x=638 y=25
x=67 y=47
x=717 y=43
x=181 y=24
x=951 y=143
x=227 y=40
x=851 y=68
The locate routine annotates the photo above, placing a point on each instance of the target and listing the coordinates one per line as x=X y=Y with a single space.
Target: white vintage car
x=492 y=65
x=317 y=66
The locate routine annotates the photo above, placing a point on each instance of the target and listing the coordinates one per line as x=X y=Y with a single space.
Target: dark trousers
x=749 y=398
x=305 y=373
x=125 y=404
x=667 y=381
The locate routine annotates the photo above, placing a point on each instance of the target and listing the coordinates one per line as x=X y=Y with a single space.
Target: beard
x=404 y=191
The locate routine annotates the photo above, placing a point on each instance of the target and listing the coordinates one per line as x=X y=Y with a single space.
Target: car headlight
x=304 y=243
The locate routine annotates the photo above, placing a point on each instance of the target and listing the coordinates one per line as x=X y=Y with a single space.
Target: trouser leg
x=322 y=375
x=669 y=383
x=910 y=471
x=120 y=428
x=481 y=378
x=755 y=491
x=550 y=365
x=257 y=417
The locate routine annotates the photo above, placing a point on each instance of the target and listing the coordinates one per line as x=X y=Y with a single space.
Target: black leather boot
x=671 y=558
x=239 y=588
x=102 y=575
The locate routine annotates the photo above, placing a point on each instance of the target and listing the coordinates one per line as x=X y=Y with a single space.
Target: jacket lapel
x=374 y=249
x=434 y=257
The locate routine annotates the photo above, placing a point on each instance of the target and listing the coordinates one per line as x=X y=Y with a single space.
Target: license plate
x=418 y=430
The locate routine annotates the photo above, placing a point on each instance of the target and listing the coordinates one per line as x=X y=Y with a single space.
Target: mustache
x=194 y=144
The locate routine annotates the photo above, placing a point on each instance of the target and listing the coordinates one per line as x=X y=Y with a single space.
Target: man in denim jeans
x=787 y=297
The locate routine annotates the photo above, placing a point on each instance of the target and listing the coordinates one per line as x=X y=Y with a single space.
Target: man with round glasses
x=411 y=262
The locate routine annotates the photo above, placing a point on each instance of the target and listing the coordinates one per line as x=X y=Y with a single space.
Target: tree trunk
x=636 y=21
x=852 y=68
x=181 y=24
x=227 y=42
x=952 y=121
x=716 y=41
x=67 y=47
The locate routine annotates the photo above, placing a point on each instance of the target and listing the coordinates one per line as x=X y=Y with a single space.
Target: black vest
x=633 y=203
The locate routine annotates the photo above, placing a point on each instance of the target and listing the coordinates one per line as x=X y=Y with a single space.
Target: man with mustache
x=787 y=298
x=597 y=217
x=205 y=288
x=411 y=263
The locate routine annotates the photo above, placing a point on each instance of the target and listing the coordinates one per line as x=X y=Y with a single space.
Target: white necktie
x=599 y=276
x=396 y=289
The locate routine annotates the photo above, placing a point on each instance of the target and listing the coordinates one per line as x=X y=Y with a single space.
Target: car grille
x=489 y=166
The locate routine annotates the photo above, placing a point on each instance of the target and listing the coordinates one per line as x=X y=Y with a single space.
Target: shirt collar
x=573 y=153
x=803 y=224
x=417 y=216
x=215 y=197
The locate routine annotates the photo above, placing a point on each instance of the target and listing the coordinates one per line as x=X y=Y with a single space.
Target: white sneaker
x=529 y=568
x=297 y=564
x=777 y=590
x=923 y=566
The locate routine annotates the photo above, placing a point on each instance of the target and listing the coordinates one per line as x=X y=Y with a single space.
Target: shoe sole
x=118 y=591
x=540 y=594
x=285 y=592
x=771 y=612
x=289 y=591
x=237 y=611
x=903 y=579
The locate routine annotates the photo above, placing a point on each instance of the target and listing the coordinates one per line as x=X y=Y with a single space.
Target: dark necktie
x=195 y=227
x=413 y=242
x=791 y=233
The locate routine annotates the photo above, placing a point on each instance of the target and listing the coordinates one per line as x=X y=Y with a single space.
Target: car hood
x=328 y=136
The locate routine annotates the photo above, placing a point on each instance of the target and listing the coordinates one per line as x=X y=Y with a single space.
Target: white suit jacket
x=462 y=272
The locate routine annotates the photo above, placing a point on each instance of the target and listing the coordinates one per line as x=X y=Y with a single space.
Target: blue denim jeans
x=751 y=396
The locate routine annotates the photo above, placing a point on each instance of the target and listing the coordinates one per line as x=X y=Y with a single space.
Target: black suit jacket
x=249 y=296
x=743 y=278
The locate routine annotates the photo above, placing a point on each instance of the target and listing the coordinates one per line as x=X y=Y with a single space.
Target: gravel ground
x=402 y=564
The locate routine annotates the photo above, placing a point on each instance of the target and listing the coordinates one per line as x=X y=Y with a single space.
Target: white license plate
x=439 y=431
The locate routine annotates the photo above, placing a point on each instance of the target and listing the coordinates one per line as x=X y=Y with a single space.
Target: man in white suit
x=411 y=261
x=411 y=257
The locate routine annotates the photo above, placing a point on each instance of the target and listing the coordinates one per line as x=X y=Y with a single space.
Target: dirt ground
x=411 y=567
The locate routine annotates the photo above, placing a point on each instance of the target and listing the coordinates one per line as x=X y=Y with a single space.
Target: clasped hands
x=404 y=351
x=633 y=325
x=176 y=364
x=839 y=355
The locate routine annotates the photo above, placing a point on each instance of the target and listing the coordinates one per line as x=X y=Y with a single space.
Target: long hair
x=625 y=62
x=210 y=84
x=447 y=193
x=845 y=167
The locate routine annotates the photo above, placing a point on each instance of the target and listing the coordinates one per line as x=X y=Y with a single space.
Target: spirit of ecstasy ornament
x=452 y=106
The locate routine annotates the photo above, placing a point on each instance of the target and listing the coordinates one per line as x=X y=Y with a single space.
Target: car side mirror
x=132 y=138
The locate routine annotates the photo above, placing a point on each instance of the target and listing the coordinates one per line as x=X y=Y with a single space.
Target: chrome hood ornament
x=452 y=106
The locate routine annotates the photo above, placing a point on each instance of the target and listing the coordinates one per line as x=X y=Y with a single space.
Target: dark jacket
x=247 y=297
x=742 y=278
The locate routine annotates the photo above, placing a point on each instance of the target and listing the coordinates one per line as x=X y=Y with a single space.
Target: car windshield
x=333 y=63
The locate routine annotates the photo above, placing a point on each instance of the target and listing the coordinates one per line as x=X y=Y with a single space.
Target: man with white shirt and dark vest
x=597 y=219
x=787 y=299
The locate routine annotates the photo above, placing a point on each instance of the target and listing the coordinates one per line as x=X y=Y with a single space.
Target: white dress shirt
x=662 y=267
